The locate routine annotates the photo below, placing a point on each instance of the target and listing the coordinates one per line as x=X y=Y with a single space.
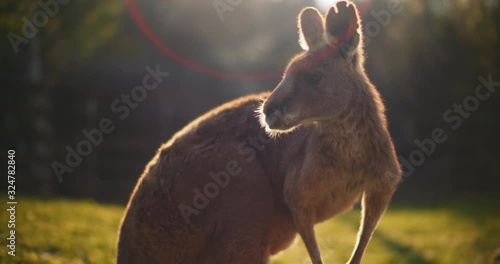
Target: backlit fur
x=318 y=144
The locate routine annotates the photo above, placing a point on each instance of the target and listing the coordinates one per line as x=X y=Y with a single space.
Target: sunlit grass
x=463 y=231
x=63 y=231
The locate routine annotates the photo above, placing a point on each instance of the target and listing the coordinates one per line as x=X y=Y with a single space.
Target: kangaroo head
x=319 y=83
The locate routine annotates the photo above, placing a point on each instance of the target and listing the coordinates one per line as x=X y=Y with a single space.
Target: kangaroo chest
x=333 y=190
x=330 y=181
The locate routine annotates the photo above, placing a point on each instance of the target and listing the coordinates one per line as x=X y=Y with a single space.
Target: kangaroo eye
x=313 y=79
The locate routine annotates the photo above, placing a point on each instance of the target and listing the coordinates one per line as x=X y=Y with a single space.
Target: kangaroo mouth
x=276 y=121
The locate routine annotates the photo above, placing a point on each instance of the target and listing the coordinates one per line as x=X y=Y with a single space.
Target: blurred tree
x=88 y=53
x=42 y=39
x=434 y=52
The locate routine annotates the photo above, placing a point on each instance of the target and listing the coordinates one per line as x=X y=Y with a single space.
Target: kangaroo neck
x=354 y=133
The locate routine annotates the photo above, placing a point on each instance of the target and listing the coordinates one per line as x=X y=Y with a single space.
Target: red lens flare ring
x=138 y=18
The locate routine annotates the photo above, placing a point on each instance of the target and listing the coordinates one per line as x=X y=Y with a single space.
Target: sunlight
x=325 y=4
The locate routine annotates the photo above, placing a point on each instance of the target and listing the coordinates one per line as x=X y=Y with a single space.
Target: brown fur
x=328 y=146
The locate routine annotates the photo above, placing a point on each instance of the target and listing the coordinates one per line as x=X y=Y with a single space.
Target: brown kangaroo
x=230 y=188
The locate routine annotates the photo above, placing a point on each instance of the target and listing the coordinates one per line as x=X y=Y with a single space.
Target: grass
x=464 y=231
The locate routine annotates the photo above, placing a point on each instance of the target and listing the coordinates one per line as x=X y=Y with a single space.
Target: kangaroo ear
x=343 y=25
x=311 y=28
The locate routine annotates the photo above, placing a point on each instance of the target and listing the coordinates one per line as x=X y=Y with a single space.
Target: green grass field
x=458 y=232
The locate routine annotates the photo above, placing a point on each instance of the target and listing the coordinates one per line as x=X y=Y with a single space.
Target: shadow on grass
x=410 y=255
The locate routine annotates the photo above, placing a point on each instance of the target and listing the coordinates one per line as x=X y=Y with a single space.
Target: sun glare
x=325 y=4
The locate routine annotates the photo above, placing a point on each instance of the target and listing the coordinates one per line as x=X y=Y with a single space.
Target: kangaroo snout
x=276 y=109
x=271 y=113
x=276 y=116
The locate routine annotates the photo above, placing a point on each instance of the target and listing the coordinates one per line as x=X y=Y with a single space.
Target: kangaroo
x=234 y=186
